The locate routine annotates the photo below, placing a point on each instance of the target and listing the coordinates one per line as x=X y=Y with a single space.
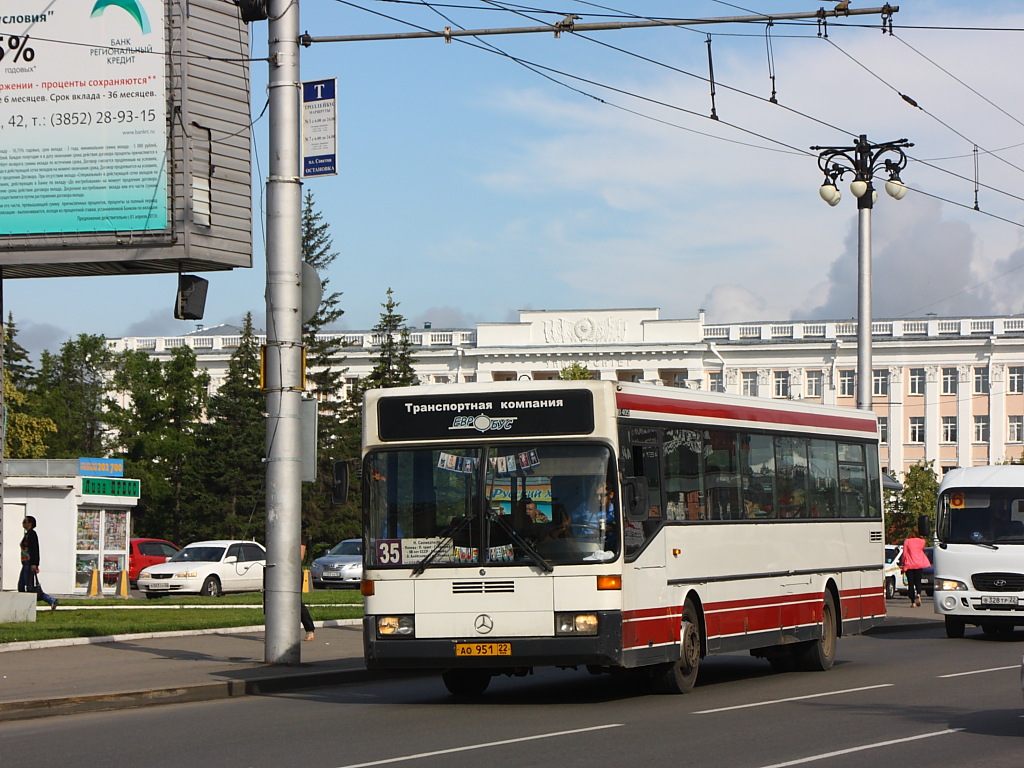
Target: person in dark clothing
x=28 y=580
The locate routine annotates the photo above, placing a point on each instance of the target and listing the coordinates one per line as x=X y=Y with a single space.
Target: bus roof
x=999 y=476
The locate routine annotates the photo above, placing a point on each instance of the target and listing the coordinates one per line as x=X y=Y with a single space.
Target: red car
x=146 y=552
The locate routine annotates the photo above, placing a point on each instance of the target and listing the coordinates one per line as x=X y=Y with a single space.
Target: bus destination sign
x=495 y=414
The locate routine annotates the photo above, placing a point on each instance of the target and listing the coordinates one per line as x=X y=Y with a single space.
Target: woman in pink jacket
x=913 y=561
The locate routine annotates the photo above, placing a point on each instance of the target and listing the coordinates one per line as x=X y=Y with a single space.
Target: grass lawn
x=93 y=617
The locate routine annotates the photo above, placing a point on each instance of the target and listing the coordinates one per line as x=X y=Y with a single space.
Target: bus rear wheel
x=818 y=655
x=680 y=676
x=466 y=682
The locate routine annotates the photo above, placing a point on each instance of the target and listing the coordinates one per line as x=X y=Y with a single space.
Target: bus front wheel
x=680 y=676
x=955 y=626
x=466 y=682
x=818 y=655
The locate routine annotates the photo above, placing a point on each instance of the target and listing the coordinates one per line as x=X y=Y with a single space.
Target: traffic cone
x=94 y=584
x=305 y=581
x=121 y=590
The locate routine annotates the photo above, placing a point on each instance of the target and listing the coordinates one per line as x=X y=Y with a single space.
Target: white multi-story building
x=945 y=389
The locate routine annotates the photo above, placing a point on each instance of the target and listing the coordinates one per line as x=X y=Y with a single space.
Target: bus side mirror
x=339 y=483
x=924 y=526
x=636 y=495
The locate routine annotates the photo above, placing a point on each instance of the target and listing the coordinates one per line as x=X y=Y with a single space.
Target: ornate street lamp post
x=862 y=160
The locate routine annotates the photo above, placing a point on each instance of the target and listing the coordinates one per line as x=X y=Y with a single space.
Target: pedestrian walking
x=912 y=562
x=28 y=580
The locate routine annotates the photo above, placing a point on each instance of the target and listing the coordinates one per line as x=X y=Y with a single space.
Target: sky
x=584 y=172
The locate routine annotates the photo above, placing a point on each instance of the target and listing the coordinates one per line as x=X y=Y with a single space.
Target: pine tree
x=157 y=433
x=323 y=526
x=394 y=367
x=16 y=358
x=227 y=496
x=72 y=391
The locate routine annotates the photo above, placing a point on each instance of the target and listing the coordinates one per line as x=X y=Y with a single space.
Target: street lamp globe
x=896 y=189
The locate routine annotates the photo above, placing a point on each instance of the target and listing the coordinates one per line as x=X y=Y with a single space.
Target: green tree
x=25 y=436
x=228 y=496
x=919 y=496
x=323 y=525
x=394 y=367
x=157 y=432
x=575 y=372
x=16 y=358
x=72 y=391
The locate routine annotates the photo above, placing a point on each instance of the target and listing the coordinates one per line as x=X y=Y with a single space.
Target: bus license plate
x=483 y=649
x=998 y=600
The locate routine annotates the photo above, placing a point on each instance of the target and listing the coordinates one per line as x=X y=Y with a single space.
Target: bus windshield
x=982 y=516
x=494 y=505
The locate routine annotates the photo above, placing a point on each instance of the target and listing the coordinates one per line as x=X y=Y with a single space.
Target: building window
x=716 y=381
x=847 y=383
x=781 y=384
x=883 y=429
x=812 y=384
x=917 y=429
x=442 y=379
x=950 y=379
x=1016 y=378
x=981 y=380
x=749 y=383
x=916 y=381
x=949 y=429
x=1015 y=430
x=981 y=429
x=880 y=382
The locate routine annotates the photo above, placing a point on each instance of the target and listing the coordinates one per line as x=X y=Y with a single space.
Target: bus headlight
x=575 y=623
x=391 y=626
x=950 y=585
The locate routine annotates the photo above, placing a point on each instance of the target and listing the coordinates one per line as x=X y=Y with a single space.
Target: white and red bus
x=613 y=526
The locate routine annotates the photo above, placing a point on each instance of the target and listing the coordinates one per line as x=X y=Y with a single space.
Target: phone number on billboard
x=104 y=117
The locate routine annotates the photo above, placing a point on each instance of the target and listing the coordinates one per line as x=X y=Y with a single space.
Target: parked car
x=341 y=567
x=208 y=568
x=143 y=553
x=892 y=574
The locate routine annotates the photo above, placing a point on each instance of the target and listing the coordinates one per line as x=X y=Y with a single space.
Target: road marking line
x=981 y=671
x=876 y=745
x=485 y=745
x=793 y=698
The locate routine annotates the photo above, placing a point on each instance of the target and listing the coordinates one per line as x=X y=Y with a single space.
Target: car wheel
x=152 y=595
x=211 y=587
x=466 y=682
x=680 y=676
x=955 y=626
x=818 y=655
x=890 y=588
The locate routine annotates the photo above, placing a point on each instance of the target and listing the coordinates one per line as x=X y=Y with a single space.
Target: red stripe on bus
x=658 y=626
x=734 y=412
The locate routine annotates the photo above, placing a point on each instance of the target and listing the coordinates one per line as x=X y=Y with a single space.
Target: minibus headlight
x=395 y=626
x=950 y=585
x=575 y=623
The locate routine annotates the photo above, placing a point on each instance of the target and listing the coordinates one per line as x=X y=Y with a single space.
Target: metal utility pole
x=283 y=357
x=284 y=257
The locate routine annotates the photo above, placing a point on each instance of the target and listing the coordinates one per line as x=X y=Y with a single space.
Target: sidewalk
x=67 y=676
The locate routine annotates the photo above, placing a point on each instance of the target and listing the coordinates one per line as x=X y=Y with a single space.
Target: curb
x=68 y=705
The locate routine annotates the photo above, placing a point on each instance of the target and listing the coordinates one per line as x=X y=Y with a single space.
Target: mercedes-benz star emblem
x=483 y=624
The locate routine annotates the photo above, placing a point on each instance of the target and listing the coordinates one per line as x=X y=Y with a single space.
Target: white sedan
x=207 y=568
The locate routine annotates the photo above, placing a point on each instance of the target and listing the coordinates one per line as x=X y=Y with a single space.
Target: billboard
x=125 y=145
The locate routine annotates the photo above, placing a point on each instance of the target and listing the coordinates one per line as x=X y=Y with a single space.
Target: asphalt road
x=903 y=699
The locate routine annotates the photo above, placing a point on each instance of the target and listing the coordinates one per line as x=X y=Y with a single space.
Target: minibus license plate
x=483 y=649
x=998 y=600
